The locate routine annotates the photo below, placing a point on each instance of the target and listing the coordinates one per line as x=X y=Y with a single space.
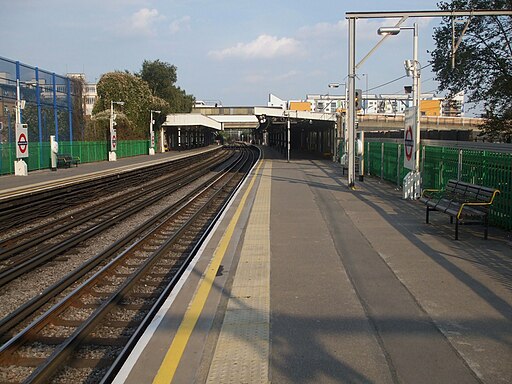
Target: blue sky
x=233 y=51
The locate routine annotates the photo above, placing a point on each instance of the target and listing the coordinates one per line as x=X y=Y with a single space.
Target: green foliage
x=161 y=78
x=77 y=86
x=138 y=101
x=483 y=62
x=151 y=89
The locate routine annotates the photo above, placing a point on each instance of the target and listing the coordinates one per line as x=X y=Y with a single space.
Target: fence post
x=422 y=159
x=368 y=165
x=399 y=153
x=459 y=165
x=382 y=161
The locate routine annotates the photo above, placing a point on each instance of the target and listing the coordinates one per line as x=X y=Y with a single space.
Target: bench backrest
x=470 y=192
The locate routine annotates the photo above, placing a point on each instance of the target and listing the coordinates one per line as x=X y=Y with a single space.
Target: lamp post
x=287 y=115
x=412 y=188
x=337 y=85
x=112 y=156
x=340 y=131
x=416 y=80
x=152 y=134
x=341 y=128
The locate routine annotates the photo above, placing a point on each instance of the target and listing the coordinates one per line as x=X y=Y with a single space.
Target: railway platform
x=47 y=177
x=307 y=281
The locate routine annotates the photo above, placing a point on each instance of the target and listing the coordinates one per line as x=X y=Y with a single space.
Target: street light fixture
x=112 y=156
x=152 y=134
x=412 y=188
x=393 y=31
x=337 y=85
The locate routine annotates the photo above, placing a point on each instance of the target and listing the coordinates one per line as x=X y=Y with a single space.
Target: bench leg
x=486 y=227
x=451 y=219
x=456 y=227
x=428 y=210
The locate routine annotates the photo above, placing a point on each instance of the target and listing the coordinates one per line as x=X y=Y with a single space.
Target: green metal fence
x=440 y=162
x=88 y=151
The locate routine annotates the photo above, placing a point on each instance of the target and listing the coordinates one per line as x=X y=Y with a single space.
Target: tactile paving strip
x=243 y=349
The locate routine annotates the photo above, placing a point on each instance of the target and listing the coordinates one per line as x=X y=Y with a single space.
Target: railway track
x=87 y=335
x=26 y=204
x=27 y=250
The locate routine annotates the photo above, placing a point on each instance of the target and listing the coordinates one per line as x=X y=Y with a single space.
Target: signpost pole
x=113 y=137
x=417 y=96
x=152 y=133
x=112 y=155
x=20 y=167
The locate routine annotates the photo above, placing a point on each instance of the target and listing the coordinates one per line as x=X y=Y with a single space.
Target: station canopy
x=191 y=120
x=240 y=118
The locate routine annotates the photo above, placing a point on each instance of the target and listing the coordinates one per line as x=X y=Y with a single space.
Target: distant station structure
x=315 y=125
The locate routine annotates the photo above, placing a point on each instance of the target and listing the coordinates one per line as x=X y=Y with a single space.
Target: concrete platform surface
x=308 y=281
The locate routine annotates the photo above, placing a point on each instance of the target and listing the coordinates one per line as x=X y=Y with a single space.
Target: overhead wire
x=394 y=80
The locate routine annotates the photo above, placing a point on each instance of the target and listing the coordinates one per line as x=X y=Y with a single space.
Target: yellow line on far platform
x=173 y=356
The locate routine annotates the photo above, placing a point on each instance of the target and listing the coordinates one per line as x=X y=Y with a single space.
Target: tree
x=138 y=101
x=78 y=105
x=162 y=78
x=483 y=62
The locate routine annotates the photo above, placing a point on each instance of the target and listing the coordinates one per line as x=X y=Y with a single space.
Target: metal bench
x=467 y=203
x=66 y=161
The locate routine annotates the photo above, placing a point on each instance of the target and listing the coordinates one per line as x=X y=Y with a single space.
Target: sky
x=235 y=52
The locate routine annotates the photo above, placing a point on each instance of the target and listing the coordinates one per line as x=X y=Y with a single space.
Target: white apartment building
x=90 y=96
x=387 y=104
x=90 y=93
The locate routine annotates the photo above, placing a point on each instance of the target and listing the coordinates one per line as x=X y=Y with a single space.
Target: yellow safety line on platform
x=173 y=356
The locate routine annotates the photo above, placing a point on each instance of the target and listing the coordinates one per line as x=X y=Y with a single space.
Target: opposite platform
x=307 y=281
x=46 y=176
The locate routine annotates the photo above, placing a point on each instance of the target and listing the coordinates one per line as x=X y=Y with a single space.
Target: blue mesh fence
x=49 y=102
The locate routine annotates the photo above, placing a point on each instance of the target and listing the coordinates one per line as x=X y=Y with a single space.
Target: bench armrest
x=427 y=192
x=475 y=204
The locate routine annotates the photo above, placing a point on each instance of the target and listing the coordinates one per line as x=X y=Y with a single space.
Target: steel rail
x=64 y=350
x=14 y=193
x=19 y=243
x=22 y=312
x=123 y=355
x=40 y=203
x=32 y=261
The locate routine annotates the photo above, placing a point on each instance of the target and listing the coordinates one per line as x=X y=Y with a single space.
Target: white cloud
x=143 y=21
x=180 y=24
x=264 y=47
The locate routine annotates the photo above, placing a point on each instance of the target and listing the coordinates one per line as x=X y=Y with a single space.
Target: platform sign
x=113 y=140
x=21 y=141
x=410 y=139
